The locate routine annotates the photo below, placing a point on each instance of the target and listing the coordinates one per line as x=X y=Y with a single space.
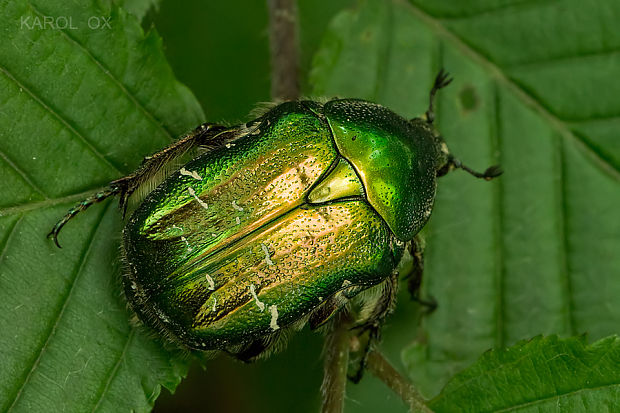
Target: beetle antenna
x=490 y=173
x=442 y=80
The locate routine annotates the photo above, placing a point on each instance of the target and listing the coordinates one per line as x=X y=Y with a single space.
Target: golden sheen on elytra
x=279 y=221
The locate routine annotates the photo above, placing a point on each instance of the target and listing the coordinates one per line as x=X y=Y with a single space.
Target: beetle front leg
x=205 y=135
x=453 y=163
x=442 y=80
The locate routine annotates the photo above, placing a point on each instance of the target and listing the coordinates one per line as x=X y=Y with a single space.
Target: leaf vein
x=114 y=370
x=23 y=175
x=593 y=119
x=150 y=116
x=561 y=395
x=565 y=254
x=8 y=238
x=511 y=7
x=565 y=58
x=60 y=118
x=50 y=202
x=484 y=373
x=500 y=274
x=61 y=312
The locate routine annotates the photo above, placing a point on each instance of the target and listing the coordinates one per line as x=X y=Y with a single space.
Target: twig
x=336 y=363
x=283 y=46
x=383 y=370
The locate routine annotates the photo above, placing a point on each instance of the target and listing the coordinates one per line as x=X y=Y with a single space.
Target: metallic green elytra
x=279 y=221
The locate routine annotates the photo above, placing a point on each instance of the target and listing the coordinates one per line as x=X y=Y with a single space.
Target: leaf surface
x=535 y=89
x=77 y=104
x=543 y=374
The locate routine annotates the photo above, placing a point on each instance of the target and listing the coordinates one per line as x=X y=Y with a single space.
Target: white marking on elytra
x=259 y=303
x=346 y=283
x=200 y=201
x=210 y=281
x=189 y=249
x=193 y=174
x=230 y=145
x=274 y=317
x=267 y=256
x=238 y=220
x=214 y=303
x=236 y=207
x=213 y=234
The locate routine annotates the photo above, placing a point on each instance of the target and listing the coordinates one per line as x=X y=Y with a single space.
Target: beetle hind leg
x=82 y=206
x=206 y=135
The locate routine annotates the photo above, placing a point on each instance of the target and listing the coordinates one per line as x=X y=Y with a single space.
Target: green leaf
x=535 y=90
x=139 y=7
x=533 y=252
x=543 y=374
x=77 y=103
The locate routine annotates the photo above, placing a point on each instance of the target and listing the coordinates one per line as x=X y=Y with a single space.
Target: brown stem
x=335 y=364
x=283 y=47
x=383 y=370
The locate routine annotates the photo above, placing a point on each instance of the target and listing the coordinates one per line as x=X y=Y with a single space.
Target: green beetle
x=280 y=221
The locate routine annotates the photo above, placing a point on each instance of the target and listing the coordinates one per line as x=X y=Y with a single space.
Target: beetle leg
x=362 y=344
x=98 y=197
x=206 y=135
x=442 y=80
x=453 y=163
x=370 y=329
x=414 y=278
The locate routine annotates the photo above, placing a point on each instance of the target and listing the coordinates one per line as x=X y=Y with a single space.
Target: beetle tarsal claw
x=493 y=172
x=53 y=234
x=490 y=173
x=442 y=80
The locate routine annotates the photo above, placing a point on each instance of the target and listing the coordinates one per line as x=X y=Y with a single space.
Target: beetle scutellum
x=280 y=221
